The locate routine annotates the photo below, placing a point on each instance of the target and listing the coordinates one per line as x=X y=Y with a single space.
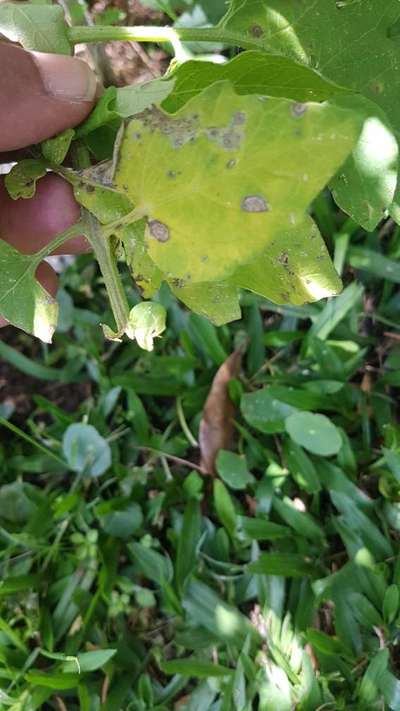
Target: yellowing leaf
x=221 y=180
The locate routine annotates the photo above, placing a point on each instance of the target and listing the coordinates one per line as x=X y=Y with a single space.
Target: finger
x=48 y=279
x=41 y=95
x=31 y=224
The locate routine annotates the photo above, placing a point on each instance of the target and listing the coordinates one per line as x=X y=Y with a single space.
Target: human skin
x=40 y=96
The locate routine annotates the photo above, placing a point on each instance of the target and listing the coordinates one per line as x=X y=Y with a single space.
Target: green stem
x=71 y=232
x=102 y=248
x=217 y=34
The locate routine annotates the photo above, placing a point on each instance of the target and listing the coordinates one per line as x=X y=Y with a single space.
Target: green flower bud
x=146 y=321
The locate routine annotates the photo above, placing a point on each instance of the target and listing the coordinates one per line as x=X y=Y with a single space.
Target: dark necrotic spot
x=231 y=164
x=90 y=188
x=239 y=118
x=256 y=31
x=298 y=109
x=159 y=231
x=254 y=203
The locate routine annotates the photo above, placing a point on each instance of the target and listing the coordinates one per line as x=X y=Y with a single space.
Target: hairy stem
x=161 y=34
x=102 y=248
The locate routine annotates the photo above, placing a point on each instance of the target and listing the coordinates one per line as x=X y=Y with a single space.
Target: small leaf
x=56 y=149
x=391 y=603
x=151 y=564
x=40 y=27
x=123 y=524
x=302 y=522
x=257 y=529
x=224 y=507
x=90 y=661
x=316 y=433
x=22 y=178
x=216 y=426
x=186 y=556
x=121 y=103
x=147 y=321
x=233 y=470
x=85 y=450
x=301 y=467
x=23 y=301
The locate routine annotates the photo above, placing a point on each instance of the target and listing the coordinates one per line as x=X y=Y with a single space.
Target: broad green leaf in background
x=23 y=301
x=39 y=27
x=265 y=412
x=200 y=159
x=314 y=432
x=336 y=41
x=251 y=72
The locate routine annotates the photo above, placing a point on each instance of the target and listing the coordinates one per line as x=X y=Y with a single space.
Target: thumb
x=41 y=95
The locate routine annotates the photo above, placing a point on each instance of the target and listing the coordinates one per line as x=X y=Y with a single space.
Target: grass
x=131 y=580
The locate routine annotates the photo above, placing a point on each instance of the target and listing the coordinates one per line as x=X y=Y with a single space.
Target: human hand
x=40 y=96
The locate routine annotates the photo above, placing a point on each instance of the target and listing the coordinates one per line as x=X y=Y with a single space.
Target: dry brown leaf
x=216 y=426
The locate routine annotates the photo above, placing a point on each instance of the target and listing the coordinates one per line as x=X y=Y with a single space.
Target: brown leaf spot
x=159 y=231
x=255 y=203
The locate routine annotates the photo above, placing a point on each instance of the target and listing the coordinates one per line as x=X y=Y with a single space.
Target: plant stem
x=71 y=232
x=102 y=248
x=161 y=34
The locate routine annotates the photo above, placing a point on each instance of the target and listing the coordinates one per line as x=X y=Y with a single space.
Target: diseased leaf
x=22 y=178
x=216 y=426
x=56 y=149
x=35 y=26
x=121 y=103
x=23 y=301
x=200 y=159
x=336 y=41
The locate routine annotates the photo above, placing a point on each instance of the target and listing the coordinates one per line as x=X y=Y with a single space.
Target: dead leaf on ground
x=216 y=426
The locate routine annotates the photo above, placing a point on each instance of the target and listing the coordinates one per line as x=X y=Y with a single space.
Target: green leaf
x=391 y=603
x=218 y=133
x=151 y=564
x=22 y=178
x=35 y=26
x=186 y=556
x=366 y=183
x=264 y=412
x=85 y=450
x=316 y=433
x=195 y=669
x=390 y=688
x=301 y=467
x=302 y=522
x=56 y=149
x=233 y=470
x=288 y=565
x=123 y=524
x=53 y=680
x=23 y=301
x=371 y=681
x=322 y=642
x=364 y=611
x=250 y=73
x=90 y=661
x=374 y=263
x=224 y=507
x=257 y=529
